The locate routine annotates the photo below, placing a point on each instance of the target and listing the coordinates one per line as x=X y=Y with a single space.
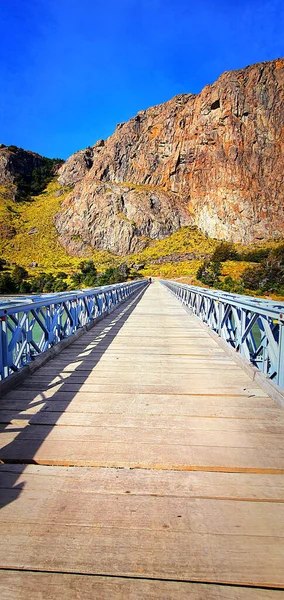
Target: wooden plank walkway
x=142 y=462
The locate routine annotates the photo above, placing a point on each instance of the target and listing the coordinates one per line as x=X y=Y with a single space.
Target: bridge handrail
x=32 y=325
x=254 y=327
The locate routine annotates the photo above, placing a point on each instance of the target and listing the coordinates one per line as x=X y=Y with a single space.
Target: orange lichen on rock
x=156 y=130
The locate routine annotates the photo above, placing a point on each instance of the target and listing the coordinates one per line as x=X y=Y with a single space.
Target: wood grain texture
x=156 y=483
x=238 y=559
x=17 y=585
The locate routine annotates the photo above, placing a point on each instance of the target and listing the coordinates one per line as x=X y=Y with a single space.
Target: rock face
x=79 y=164
x=120 y=218
x=23 y=172
x=214 y=160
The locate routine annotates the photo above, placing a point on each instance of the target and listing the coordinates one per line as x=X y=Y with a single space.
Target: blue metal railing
x=252 y=326
x=31 y=325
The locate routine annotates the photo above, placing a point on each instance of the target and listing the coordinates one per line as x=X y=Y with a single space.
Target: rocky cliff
x=214 y=160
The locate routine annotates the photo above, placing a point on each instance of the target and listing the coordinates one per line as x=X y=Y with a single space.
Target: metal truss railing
x=32 y=325
x=252 y=326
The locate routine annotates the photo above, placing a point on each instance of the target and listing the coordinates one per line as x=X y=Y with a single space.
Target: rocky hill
x=25 y=173
x=214 y=160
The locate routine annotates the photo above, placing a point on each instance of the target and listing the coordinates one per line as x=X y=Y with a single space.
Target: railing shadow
x=54 y=400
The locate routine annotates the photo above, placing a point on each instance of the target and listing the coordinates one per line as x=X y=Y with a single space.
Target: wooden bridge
x=142 y=462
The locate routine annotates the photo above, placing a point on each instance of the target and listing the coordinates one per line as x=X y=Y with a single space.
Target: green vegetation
x=88 y=276
x=32 y=183
x=264 y=277
x=268 y=275
x=19 y=281
x=209 y=273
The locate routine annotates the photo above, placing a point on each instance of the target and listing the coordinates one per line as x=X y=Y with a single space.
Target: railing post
x=220 y=317
x=280 y=370
x=242 y=324
x=3 y=349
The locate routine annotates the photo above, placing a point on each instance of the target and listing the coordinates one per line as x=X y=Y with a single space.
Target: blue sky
x=70 y=70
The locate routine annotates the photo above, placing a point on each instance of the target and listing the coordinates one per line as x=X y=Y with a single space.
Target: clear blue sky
x=70 y=70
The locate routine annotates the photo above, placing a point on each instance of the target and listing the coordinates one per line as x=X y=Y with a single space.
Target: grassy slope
x=188 y=240
x=163 y=258
x=43 y=246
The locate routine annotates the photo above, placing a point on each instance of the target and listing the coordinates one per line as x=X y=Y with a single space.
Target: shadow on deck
x=55 y=398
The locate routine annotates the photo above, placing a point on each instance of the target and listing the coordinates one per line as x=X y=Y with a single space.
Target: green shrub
x=224 y=251
x=268 y=276
x=88 y=267
x=34 y=182
x=2 y=264
x=7 y=284
x=209 y=273
x=18 y=274
x=45 y=282
x=77 y=280
x=257 y=255
x=25 y=287
x=60 y=286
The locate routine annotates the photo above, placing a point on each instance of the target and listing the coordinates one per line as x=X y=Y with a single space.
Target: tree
x=276 y=256
x=77 y=279
x=2 y=264
x=7 y=284
x=25 y=287
x=19 y=274
x=45 y=282
x=88 y=273
x=88 y=268
x=209 y=273
x=268 y=276
x=90 y=280
x=224 y=251
x=256 y=255
x=60 y=285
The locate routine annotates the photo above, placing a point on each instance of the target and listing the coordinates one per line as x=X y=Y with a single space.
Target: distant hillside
x=28 y=238
x=25 y=173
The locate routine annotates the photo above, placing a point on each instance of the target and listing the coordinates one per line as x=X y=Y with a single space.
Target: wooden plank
x=166 y=554
x=114 y=369
x=163 y=483
x=20 y=585
x=247 y=400
x=270 y=443
x=197 y=388
x=172 y=422
x=130 y=511
x=187 y=407
x=176 y=351
x=212 y=354
x=122 y=377
x=140 y=455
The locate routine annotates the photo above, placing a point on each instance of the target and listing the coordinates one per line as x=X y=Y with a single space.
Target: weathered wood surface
x=199 y=492
x=17 y=585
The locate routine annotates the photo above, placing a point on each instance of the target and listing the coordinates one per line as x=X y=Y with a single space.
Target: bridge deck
x=142 y=462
